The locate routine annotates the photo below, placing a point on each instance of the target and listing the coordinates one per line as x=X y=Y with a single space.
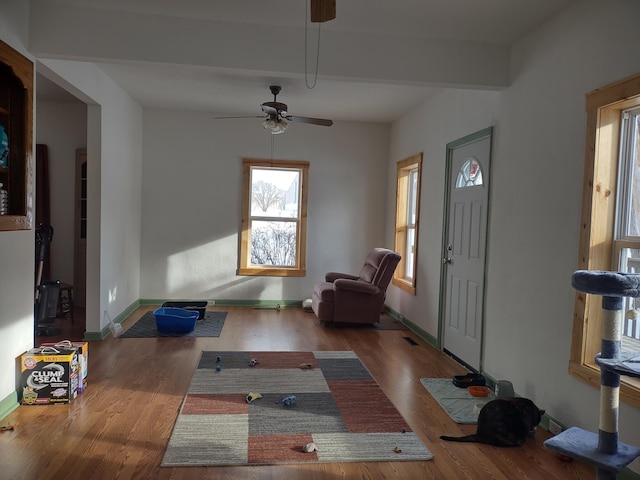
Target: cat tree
x=604 y=450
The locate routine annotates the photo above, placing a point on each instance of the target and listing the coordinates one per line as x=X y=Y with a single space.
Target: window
x=626 y=253
x=470 y=174
x=274 y=215
x=407 y=220
x=610 y=236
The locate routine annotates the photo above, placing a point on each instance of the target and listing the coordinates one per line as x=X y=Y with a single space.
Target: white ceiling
x=235 y=91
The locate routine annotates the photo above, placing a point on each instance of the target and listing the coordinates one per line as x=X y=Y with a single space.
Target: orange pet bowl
x=478 y=391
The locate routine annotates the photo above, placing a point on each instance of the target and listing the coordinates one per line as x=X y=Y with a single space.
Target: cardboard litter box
x=49 y=375
x=83 y=358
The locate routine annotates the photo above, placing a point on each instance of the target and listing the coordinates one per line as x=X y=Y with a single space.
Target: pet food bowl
x=175 y=320
x=478 y=391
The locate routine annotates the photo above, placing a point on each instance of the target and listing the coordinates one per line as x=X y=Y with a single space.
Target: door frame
x=451 y=146
x=79 y=244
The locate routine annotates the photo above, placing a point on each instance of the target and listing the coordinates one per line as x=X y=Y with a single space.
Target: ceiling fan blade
x=314 y=121
x=269 y=109
x=274 y=108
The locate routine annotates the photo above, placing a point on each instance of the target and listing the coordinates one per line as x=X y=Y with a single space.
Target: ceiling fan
x=277 y=117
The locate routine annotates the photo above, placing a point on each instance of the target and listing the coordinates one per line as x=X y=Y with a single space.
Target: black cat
x=504 y=422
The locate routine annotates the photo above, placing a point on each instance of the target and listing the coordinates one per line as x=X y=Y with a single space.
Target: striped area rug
x=338 y=406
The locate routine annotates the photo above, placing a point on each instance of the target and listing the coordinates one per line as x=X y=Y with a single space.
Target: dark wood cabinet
x=16 y=118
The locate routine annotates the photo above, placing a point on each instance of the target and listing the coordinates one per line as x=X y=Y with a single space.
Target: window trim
x=604 y=107
x=403 y=168
x=245 y=267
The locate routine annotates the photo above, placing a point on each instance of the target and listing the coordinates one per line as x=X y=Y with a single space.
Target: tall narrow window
x=407 y=219
x=274 y=214
x=627 y=235
x=610 y=236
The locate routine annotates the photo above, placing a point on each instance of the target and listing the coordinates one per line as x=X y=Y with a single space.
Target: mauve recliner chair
x=346 y=298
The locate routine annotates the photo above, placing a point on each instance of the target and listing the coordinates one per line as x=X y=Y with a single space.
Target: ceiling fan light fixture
x=275 y=125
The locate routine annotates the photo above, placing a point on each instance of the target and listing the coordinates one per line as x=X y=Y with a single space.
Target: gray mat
x=210 y=326
x=457 y=402
x=387 y=322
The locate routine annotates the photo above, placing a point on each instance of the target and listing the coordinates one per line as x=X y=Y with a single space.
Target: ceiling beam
x=59 y=31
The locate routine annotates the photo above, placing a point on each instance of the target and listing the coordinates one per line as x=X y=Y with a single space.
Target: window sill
x=404 y=285
x=271 y=272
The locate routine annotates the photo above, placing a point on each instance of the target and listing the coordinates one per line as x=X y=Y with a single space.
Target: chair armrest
x=333 y=276
x=355 y=286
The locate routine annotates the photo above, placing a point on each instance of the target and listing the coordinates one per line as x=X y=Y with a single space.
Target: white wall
x=192 y=184
x=537 y=170
x=446 y=117
x=16 y=249
x=63 y=128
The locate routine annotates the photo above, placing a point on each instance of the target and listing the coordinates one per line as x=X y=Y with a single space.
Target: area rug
x=387 y=322
x=210 y=326
x=459 y=404
x=338 y=407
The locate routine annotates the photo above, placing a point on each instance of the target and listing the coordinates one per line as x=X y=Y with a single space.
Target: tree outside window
x=273 y=236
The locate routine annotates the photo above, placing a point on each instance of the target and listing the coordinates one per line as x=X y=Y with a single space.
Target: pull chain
x=272 y=145
x=306 y=74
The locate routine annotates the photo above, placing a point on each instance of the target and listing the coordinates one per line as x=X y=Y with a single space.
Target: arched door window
x=470 y=174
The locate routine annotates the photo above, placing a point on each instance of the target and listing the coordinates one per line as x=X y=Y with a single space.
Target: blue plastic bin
x=200 y=306
x=175 y=320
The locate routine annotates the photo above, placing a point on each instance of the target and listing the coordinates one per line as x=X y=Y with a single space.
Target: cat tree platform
x=583 y=445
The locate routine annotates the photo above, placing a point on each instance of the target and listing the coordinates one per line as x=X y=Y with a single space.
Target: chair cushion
x=324 y=291
x=379 y=266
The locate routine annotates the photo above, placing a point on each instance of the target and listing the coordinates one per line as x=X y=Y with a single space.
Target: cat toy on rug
x=504 y=422
x=288 y=400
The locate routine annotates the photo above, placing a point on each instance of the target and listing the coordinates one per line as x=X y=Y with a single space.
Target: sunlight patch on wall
x=197 y=271
x=208 y=271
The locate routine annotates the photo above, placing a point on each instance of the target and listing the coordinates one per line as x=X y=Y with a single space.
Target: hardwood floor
x=119 y=427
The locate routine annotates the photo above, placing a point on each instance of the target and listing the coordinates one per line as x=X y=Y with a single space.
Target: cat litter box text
x=48 y=379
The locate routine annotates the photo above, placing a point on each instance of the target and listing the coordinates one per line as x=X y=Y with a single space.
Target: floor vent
x=410 y=341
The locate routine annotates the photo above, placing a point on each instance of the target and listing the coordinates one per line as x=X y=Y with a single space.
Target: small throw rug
x=387 y=322
x=210 y=326
x=459 y=404
x=266 y=414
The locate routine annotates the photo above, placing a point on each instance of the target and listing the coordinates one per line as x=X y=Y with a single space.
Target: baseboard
x=8 y=404
x=228 y=302
x=105 y=332
x=627 y=474
x=424 y=335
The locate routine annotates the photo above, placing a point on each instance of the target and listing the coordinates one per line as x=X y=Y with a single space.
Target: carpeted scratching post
x=603 y=450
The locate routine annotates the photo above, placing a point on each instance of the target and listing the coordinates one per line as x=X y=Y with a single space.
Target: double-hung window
x=610 y=223
x=626 y=253
x=274 y=215
x=409 y=173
